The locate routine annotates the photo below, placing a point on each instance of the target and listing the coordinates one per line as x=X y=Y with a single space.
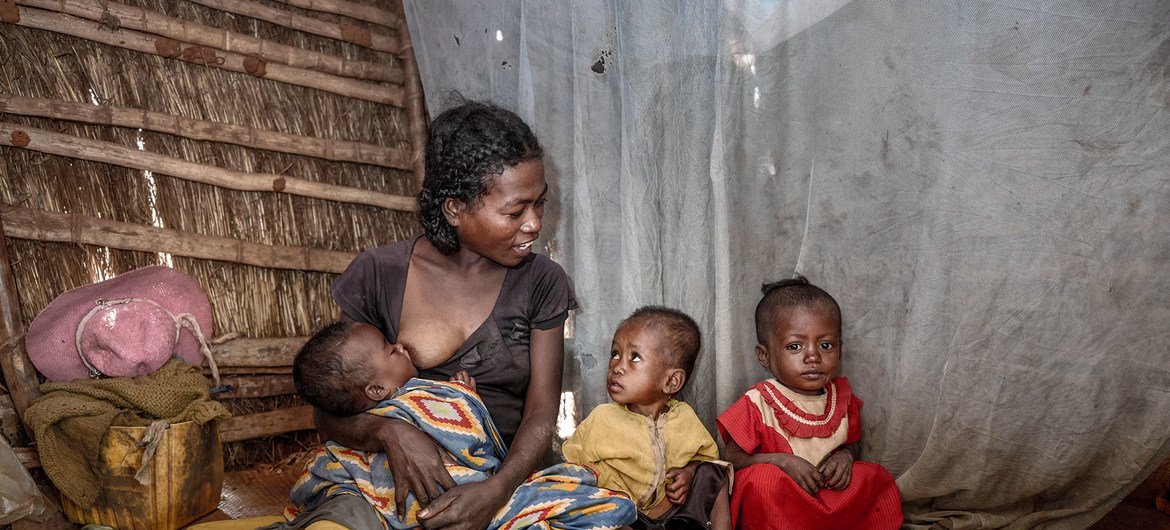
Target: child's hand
x=802 y=471
x=837 y=469
x=463 y=377
x=678 y=484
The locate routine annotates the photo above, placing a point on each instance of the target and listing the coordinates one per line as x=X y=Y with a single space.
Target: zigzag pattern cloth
x=563 y=496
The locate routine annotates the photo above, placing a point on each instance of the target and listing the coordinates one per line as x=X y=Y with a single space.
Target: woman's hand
x=415 y=460
x=837 y=469
x=679 y=485
x=802 y=471
x=416 y=464
x=466 y=506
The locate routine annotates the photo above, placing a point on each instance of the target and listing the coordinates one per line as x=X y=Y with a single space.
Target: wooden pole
x=415 y=106
x=349 y=9
x=136 y=18
x=263 y=424
x=10 y=425
x=345 y=32
x=252 y=386
x=15 y=135
x=25 y=223
x=19 y=374
x=207 y=130
x=166 y=47
x=258 y=352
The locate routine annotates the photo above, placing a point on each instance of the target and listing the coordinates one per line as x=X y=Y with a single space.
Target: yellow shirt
x=632 y=453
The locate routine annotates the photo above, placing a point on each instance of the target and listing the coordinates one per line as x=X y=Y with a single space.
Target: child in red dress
x=794 y=439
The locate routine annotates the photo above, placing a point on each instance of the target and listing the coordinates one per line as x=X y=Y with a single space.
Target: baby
x=794 y=439
x=348 y=368
x=647 y=444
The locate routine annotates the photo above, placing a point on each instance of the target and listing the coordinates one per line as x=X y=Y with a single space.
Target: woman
x=468 y=294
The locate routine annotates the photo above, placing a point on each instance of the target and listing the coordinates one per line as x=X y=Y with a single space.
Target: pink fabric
x=121 y=339
x=127 y=338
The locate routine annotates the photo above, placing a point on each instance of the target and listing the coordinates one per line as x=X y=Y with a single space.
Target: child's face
x=640 y=373
x=390 y=365
x=803 y=348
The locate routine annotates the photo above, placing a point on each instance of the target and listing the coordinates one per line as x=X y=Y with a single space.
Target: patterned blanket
x=561 y=496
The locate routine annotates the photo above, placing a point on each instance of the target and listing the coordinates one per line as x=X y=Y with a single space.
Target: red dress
x=765 y=420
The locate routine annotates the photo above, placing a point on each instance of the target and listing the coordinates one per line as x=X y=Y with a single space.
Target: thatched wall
x=38 y=64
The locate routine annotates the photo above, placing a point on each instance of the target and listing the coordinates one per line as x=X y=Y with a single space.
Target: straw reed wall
x=255 y=145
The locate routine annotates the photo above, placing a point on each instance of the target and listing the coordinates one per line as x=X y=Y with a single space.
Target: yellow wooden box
x=187 y=479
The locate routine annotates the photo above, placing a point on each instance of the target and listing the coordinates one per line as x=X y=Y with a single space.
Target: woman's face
x=504 y=224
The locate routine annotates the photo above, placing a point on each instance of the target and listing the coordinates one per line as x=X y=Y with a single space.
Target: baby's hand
x=463 y=377
x=837 y=469
x=678 y=484
x=802 y=471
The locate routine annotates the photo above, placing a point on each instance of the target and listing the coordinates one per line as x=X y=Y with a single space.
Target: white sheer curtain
x=984 y=186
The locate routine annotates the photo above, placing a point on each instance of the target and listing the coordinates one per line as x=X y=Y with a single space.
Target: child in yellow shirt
x=647 y=444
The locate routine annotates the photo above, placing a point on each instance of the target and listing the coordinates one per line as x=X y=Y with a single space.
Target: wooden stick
x=10 y=425
x=135 y=18
x=25 y=223
x=263 y=424
x=165 y=47
x=349 y=9
x=344 y=32
x=208 y=130
x=19 y=374
x=253 y=370
x=415 y=107
x=258 y=352
x=15 y=135
x=254 y=386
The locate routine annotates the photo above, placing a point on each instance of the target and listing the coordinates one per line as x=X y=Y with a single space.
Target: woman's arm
x=472 y=506
x=416 y=462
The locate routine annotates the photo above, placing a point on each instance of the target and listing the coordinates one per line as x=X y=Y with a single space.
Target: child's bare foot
x=463 y=377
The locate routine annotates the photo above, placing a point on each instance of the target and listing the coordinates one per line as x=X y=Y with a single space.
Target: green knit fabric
x=70 y=420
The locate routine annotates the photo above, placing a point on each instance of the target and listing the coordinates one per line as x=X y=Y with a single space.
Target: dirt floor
x=264 y=491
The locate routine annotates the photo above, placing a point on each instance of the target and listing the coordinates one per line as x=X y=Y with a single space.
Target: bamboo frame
x=19 y=374
x=15 y=135
x=201 y=45
x=165 y=47
x=415 y=109
x=148 y=21
x=209 y=131
x=25 y=223
x=248 y=427
x=349 y=9
x=342 y=32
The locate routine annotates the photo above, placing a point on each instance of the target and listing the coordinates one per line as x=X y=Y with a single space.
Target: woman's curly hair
x=468 y=146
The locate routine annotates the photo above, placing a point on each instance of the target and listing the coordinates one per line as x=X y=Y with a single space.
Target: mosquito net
x=984 y=186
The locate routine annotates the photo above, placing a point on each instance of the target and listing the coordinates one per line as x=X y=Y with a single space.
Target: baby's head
x=652 y=355
x=348 y=367
x=798 y=334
